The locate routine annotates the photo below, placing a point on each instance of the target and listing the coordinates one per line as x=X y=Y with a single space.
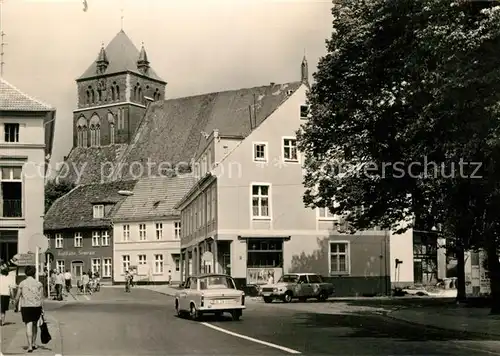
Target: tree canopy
x=405 y=117
x=55 y=189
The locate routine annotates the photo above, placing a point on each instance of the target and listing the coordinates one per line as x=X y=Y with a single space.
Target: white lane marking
x=279 y=347
x=458 y=346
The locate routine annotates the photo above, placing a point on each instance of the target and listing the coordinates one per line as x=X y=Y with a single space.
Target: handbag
x=44 y=332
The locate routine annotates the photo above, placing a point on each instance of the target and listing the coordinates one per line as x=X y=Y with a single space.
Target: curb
x=481 y=335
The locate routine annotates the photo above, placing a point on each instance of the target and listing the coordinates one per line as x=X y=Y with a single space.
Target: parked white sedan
x=210 y=294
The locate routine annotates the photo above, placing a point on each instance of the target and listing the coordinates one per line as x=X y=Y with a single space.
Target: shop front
x=264 y=260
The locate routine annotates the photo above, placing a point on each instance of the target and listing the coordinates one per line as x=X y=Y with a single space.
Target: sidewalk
x=462 y=319
x=17 y=345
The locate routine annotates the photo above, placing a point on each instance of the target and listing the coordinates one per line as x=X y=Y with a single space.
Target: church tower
x=113 y=94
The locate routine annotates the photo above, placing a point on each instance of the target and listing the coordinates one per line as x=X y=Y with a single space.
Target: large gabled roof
x=122 y=56
x=170 y=132
x=154 y=198
x=74 y=209
x=13 y=99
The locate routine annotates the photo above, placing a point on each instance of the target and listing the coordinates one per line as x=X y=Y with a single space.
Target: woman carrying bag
x=30 y=297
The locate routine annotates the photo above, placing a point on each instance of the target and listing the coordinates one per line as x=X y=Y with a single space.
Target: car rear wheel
x=287 y=298
x=193 y=312
x=268 y=299
x=236 y=315
x=322 y=296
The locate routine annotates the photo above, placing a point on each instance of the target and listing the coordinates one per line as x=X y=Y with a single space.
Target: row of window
x=143 y=231
x=201 y=211
x=94 y=128
x=158 y=263
x=101 y=266
x=99 y=238
x=289 y=151
x=261 y=204
x=92 y=98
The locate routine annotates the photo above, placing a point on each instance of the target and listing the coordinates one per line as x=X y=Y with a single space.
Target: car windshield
x=217 y=282
x=289 y=278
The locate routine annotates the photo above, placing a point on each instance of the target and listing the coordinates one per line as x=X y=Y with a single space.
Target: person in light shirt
x=67 y=280
x=7 y=286
x=59 y=285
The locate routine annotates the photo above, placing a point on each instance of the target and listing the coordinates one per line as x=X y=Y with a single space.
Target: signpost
x=38 y=243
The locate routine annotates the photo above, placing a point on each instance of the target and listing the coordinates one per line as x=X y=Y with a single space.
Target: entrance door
x=77 y=269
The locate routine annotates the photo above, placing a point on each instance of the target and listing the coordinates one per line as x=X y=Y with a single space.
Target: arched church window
x=98 y=135
x=99 y=95
x=92 y=96
x=113 y=93
x=111 y=121
x=139 y=95
x=95 y=130
x=84 y=136
x=117 y=90
x=81 y=127
x=87 y=99
x=112 y=133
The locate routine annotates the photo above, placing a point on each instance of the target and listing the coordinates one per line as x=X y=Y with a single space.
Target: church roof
x=170 y=130
x=13 y=99
x=122 y=55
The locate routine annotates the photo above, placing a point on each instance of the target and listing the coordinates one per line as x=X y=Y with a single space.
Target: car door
x=305 y=289
x=314 y=282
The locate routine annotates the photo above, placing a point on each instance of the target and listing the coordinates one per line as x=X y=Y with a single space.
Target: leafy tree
x=55 y=189
x=405 y=99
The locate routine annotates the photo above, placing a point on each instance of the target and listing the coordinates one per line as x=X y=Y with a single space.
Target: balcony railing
x=12 y=208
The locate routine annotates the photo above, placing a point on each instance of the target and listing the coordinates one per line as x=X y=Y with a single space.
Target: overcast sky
x=197 y=46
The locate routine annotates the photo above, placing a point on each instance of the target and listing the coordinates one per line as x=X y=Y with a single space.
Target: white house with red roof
x=26 y=135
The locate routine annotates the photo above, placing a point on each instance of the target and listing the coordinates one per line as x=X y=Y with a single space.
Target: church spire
x=142 y=62
x=304 y=71
x=102 y=61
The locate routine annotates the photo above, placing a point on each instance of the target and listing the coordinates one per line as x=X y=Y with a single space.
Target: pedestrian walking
x=85 y=282
x=128 y=281
x=30 y=297
x=169 y=277
x=7 y=286
x=67 y=281
x=59 y=285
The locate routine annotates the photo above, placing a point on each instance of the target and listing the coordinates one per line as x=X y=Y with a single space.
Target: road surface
x=143 y=322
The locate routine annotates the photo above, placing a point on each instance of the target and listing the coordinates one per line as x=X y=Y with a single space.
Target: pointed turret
x=142 y=62
x=304 y=71
x=102 y=61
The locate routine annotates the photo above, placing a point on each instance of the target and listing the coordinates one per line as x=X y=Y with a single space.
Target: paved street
x=112 y=322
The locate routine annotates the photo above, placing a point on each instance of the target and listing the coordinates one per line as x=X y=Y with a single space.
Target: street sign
x=207 y=256
x=24 y=259
x=38 y=240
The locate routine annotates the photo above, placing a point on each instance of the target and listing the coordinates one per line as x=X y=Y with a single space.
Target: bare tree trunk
x=461 y=295
x=494 y=269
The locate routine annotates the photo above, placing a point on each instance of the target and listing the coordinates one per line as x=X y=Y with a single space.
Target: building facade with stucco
x=26 y=135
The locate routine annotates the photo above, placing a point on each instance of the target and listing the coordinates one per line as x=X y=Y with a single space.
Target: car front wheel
x=287 y=298
x=193 y=312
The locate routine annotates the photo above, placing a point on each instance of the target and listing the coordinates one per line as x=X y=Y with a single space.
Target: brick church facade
x=113 y=94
